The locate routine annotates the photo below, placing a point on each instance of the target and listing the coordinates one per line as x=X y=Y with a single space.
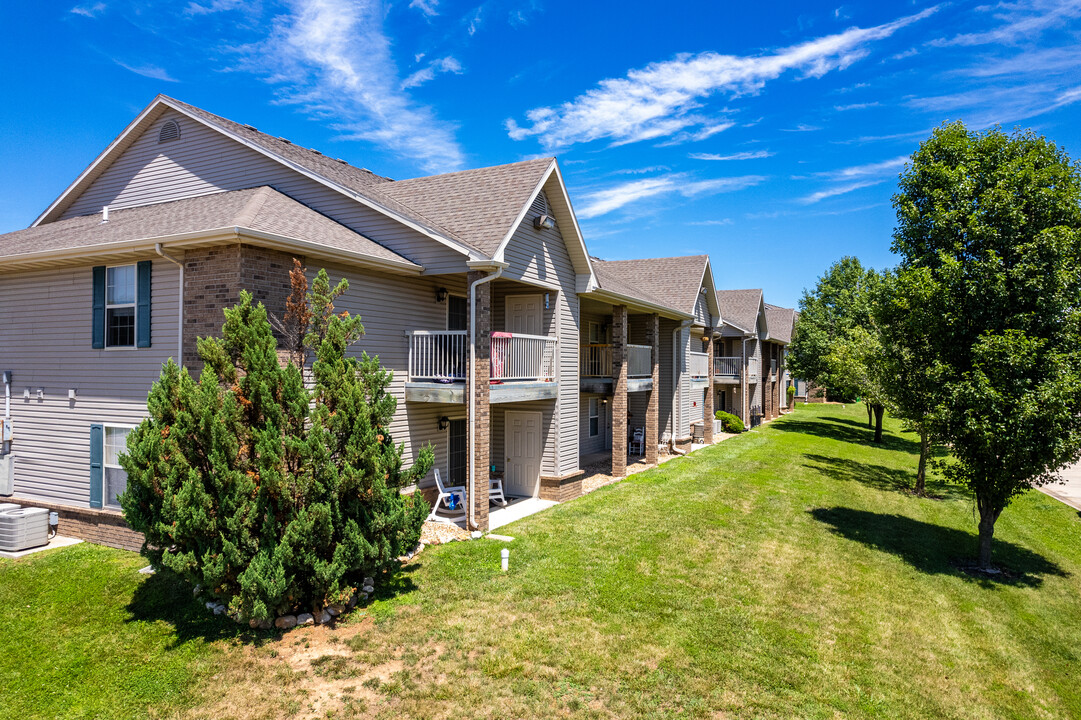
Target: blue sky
x=766 y=134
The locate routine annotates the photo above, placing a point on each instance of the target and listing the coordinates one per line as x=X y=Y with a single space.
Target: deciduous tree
x=993 y=221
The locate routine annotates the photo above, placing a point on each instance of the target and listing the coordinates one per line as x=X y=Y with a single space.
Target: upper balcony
x=522 y=367
x=698 y=367
x=727 y=369
x=595 y=368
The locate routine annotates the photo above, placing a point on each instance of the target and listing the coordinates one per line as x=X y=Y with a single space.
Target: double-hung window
x=116 y=479
x=120 y=306
x=594 y=417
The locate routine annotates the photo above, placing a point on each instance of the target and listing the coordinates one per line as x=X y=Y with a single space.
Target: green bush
x=274 y=496
x=729 y=422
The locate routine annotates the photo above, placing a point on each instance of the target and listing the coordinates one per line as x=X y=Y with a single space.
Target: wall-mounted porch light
x=441 y=295
x=444 y=422
x=544 y=222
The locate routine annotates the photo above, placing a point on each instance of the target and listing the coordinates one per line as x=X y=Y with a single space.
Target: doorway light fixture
x=444 y=422
x=441 y=295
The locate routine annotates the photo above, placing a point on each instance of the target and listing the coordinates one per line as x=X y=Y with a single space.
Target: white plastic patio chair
x=495 y=492
x=638 y=442
x=444 y=502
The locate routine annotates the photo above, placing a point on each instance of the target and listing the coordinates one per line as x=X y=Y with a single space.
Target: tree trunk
x=880 y=410
x=921 y=472
x=988 y=517
x=870 y=421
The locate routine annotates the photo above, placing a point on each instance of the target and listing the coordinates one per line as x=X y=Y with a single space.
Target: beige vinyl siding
x=541 y=257
x=389 y=306
x=701 y=311
x=204 y=161
x=685 y=384
x=599 y=443
x=547 y=409
x=46 y=343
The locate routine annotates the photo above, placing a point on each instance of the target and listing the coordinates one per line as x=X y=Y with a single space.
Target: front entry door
x=521 y=476
x=524 y=314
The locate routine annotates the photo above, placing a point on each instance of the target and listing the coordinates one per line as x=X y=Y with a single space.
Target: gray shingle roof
x=474 y=207
x=676 y=279
x=740 y=307
x=261 y=208
x=779 y=320
x=478 y=206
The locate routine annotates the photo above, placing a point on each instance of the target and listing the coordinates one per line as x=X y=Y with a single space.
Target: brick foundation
x=101 y=527
x=482 y=396
x=561 y=489
x=619 y=391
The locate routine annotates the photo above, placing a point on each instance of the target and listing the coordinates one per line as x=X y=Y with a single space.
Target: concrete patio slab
x=516 y=510
x=58 y=541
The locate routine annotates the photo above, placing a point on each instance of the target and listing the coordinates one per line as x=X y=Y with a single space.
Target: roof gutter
x=619 y=299
x=224 y=234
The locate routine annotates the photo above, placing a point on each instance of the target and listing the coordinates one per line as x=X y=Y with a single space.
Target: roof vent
x=169 y=131
x=287 y=141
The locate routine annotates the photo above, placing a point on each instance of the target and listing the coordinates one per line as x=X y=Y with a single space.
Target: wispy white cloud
x=89 y=10
x=475 y=19
x=428 y=8
x=663 y=98
x=1001 y=105
x=638 y=171
x=214 y=6
x=332 y=59
x=905 y=54
x=1037 y=62
x=863 y=139
x=868 y=170
x=442 y=65
x=748 y=155
x=148 y=71
x=602 y=202
x=856 y=106
x=802 y=127
x=1019 y=21
x=836 y=190
x=707 y=223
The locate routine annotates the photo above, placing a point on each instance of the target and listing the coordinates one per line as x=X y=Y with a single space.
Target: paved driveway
x=1068 y=491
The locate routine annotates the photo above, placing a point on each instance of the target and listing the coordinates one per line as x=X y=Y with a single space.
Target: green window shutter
x=142 y=303
x=97 y=464
x=97 y=315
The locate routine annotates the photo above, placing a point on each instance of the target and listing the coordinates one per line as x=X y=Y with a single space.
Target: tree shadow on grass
x=879 y=476
x=934 y=549
x=165 y=597
x=849 y=431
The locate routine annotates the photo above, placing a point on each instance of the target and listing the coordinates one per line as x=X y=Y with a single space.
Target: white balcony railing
x=698 y=364
x=727 y=366
x=443 y=355
x=438 y=355
x=596 y=360
x=639 y=361
x=523 y=357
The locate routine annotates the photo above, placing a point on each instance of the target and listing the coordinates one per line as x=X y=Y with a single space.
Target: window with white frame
x=457 y=453
x=594 y=417
x=116 y=479
x=595 y=337
x=120 y=306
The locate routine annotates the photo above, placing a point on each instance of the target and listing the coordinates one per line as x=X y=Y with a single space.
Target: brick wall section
x=561 y=489
x=707 y=411
x=481 y=395
x=653 y=408
x=101 y=527
x=619 y=391
x=213 y=279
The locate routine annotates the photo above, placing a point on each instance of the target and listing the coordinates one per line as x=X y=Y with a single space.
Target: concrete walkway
x=1068 y=491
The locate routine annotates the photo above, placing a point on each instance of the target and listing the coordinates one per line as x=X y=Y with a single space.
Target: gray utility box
x=7 y=474
x=23 y=528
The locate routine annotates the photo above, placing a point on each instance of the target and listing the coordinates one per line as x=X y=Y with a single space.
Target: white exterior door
x=524 y=314
x=521 y=473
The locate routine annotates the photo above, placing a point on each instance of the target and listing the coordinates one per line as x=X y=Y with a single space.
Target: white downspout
x=745 y=387
x=180 y=306
x=484 y=265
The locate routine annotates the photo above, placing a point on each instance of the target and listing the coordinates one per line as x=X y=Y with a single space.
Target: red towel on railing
x=500 y=348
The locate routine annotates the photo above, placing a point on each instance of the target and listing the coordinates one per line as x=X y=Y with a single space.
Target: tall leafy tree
x=993 y=223
x=273 y=495
x=835 y=341
x=905 y=312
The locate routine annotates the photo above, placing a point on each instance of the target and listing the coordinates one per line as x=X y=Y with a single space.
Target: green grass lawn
x=783 y=573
